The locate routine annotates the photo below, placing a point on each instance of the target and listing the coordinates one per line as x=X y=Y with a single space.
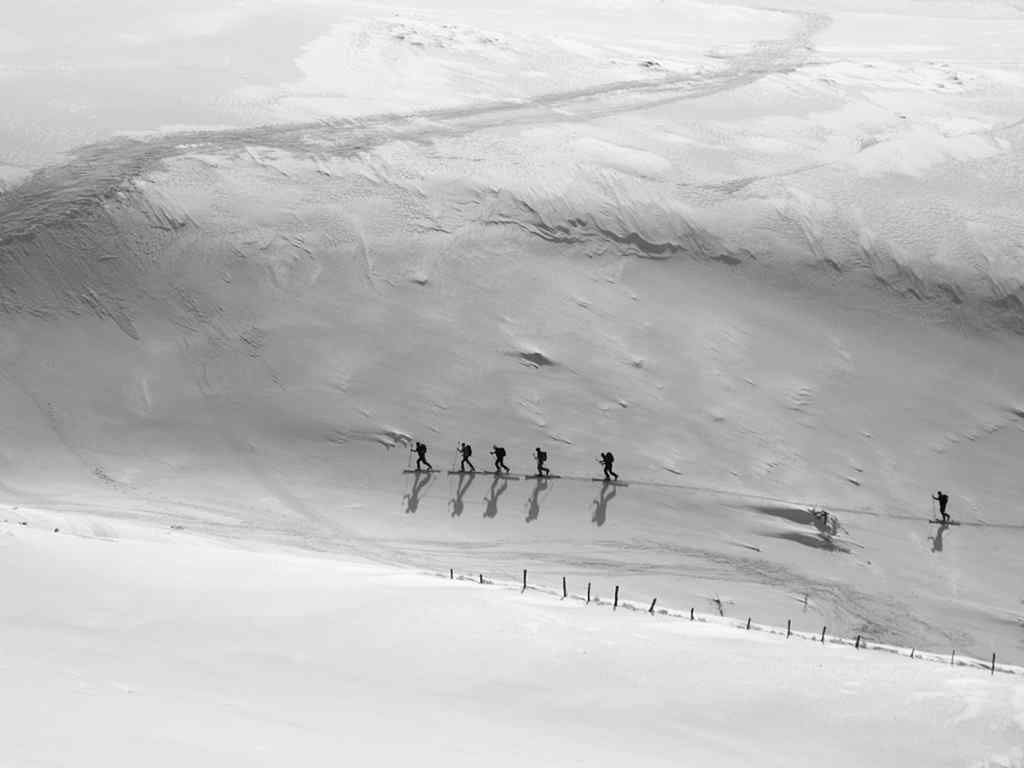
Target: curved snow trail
x=94 y=172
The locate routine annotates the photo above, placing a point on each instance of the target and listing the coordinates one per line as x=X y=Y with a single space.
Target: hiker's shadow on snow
x=458 y=503
x=608 y=492
x=533 y=504
x=412 y=498
x=936 y=540
x=491 y=500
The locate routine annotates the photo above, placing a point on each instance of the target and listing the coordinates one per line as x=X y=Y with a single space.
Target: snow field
x=136 y=644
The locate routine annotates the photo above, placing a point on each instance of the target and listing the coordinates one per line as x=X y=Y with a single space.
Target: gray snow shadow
x=799 y=515
x=826 y=527
x=936 y=540
x=533 y=504
x=601 y=503
x=817 y=541
x=412 y=499
x=491 y=500
x=458 y=503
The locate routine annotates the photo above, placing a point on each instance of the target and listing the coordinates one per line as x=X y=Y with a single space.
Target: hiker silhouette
x=466 y=450
x=421 y=456
x=608 y=460
x=541 y=457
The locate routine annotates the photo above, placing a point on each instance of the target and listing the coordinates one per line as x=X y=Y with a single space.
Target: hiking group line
x=607 y=461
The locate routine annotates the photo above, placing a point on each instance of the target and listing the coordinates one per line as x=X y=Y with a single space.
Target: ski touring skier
x=499 y=460
x=943 y=500
x=466 y=450
x=541 y=456
x=607 y=460
x=421 y=456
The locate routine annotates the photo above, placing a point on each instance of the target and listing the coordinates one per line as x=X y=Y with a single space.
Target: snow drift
x=789 y=279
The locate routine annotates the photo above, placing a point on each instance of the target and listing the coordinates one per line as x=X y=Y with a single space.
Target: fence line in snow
x=859 y=643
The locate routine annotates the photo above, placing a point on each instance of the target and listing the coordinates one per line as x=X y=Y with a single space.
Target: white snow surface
x=126 y=645
x=770 y=254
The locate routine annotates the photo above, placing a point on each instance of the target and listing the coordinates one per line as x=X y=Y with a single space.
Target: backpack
x=608 y=457
x=499 y=452
x=542 y=455
x=467 y=451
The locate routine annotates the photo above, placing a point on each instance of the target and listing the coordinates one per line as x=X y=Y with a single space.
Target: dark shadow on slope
x=412 y=499
x=816 y=541
x=798 y=515
x=495 y=493
x=533 y=505
x=457 y=503
x=601 y=503
x=533 y=359
x=936 y=540
x=826 y=526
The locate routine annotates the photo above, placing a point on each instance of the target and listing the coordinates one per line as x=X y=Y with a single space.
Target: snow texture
x=769 y=254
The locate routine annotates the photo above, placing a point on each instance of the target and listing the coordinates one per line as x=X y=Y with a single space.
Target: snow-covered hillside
x=772 y=258
x=127 y=645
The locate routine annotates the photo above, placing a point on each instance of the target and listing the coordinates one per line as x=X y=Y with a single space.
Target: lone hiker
x=607 y=460
x=421 y=456
x=499 y=460
x=541 y=456
x=465 y=450
x=943 y=500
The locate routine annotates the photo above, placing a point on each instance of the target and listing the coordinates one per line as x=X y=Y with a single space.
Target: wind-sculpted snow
x=750 y=282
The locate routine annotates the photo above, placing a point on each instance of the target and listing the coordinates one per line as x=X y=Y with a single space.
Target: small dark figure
x=466 y=451
x=421 y=456
x=499 y=459
x=943 y=500
x=541 y=456
x=607 y=459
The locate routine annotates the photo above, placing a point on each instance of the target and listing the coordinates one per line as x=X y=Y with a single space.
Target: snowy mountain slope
x=136 y=644
x=789 y=279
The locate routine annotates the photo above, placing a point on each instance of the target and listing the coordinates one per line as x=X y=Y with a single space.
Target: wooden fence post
x=451 y=573
x=691 y=614
x=823 y=634
x=588 y=593
x=565 y=590
x=616 y=604
x=481 y=578
x=789 y=627
x=652 y=605
x=952 y=657
x=912 y=652
x=857 y=644
x=524 y=579
x=993 y=663
x=748 y=622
